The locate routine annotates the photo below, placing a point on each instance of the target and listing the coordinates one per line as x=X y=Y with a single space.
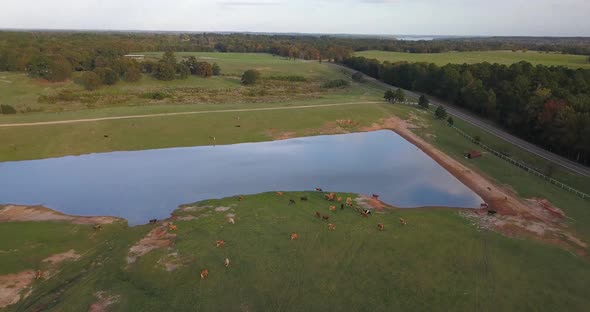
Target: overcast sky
x=415 y=17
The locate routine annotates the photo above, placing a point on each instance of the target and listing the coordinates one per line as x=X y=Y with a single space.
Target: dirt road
x=70 y=121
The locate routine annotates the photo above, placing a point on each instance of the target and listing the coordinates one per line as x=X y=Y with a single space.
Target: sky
x=391 y=17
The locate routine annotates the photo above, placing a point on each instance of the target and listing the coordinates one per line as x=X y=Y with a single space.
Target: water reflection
x=145 y=184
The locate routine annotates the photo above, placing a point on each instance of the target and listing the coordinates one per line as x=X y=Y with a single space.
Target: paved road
x=69 y=121
x=493 y=129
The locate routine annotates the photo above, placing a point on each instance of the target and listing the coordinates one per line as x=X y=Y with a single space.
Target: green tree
x=164 y=71
x=358 y=77
x=440 y=113
x=183 y=71
x=90 y=80
x=7 y=109
x=389 y=96
x=250 y=77
x=49 y=69
x=450 y=121
x=107 y=75
x=399 y=95
x=423 y=102
x=204 y=69
x=169 y=57
x=216 y=69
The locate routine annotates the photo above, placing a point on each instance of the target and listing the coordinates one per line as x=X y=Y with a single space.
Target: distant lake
x=140 y=185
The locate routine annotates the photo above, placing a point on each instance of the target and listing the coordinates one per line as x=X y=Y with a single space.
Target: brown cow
x=241 y=197
x=332 y=208
x=349 y=201
x=317 y=214
x=325 y=218
x=331 y=226
x=339 y=199
x=402 y=221
x=226 y=262
x=172 y=227
x=204 y=273
x=294 y=236
x=219 y=243
x=380 y=226
x=280 y=193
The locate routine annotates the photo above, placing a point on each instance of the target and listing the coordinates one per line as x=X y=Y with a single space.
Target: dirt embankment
x=16 y=213
x=515 y=216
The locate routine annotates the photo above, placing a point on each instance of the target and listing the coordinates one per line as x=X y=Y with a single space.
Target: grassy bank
x=438 y=262
x=500 y=57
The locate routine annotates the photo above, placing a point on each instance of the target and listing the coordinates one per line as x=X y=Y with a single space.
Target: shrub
x=423 y=102
x=7 y=109
x=289 y=78
x=216 y=69
x=358 y=77
x=90 y=81
x=440 y=113
x=450 y=121
x=107 y=75
x=158 y=95
x=338 y=83
x=250 y=77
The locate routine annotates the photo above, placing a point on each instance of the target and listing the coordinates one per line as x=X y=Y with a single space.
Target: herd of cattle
x=331 y=197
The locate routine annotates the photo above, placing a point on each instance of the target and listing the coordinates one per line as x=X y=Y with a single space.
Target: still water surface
x=141 y=185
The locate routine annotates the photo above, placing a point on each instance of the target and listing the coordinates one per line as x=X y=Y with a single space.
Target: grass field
x=438 y=262
x=500 y=57
x=32 y=95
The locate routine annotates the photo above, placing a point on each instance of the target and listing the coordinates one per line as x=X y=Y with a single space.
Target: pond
x=140 y=185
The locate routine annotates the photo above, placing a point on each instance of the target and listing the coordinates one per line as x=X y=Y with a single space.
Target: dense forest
x=549 y=106
x=56 y=54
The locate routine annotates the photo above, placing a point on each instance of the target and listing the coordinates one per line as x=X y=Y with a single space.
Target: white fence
x=522 y=165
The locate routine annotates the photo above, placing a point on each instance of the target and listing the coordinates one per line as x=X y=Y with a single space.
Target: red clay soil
x=515 y=217
x=17 y=213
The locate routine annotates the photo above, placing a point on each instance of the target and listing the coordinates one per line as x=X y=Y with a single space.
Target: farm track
x=70 y=121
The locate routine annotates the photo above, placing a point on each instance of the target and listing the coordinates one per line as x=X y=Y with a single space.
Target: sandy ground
x=15 y=213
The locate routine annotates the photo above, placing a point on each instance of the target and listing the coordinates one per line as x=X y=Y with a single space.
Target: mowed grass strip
x=173 y=131
x=500 y=57
x=437 y=262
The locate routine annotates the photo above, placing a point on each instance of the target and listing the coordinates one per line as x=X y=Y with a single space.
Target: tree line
x=549 y=106
x=54 y=55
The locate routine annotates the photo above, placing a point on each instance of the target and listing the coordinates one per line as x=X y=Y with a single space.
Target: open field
x=500 y=57
x=29 y=95
x=438 y=262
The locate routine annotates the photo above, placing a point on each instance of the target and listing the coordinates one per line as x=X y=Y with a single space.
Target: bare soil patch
x=372 y=203
x=156 y=238
x=104 y=301
x=69 y=255
x=13 y=287
x=17 y=213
